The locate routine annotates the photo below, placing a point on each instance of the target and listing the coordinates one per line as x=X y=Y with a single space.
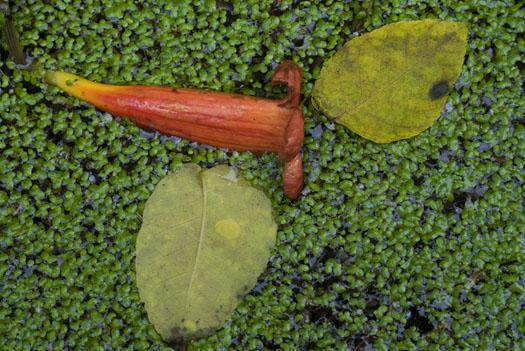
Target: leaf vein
x=201 y=239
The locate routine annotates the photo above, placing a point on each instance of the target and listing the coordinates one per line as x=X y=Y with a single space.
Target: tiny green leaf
x=205 y=238
x=391 y=83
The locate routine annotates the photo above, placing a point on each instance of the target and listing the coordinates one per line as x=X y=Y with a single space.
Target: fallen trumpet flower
x=233 y=121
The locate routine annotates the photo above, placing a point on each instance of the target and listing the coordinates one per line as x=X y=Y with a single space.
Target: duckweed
x=415 y=245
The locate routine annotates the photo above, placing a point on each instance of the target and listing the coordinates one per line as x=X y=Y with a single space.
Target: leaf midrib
x=201 y=239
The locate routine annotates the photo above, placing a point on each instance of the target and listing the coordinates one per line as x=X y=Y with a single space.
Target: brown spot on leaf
x=438 y=90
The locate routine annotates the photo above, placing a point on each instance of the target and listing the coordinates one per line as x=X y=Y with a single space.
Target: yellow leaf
x=205 y=238
x=392 y=83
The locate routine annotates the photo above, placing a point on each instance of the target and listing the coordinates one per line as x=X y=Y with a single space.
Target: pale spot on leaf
x=190 y=325
x=228 y=228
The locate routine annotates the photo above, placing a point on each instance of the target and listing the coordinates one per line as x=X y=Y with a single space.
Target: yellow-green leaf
x=392 y=83
x=205 y=238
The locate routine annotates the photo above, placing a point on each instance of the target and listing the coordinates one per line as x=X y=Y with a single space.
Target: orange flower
x=232 y=121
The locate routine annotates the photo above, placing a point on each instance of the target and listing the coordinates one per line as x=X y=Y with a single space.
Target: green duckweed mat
x=415 y=245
